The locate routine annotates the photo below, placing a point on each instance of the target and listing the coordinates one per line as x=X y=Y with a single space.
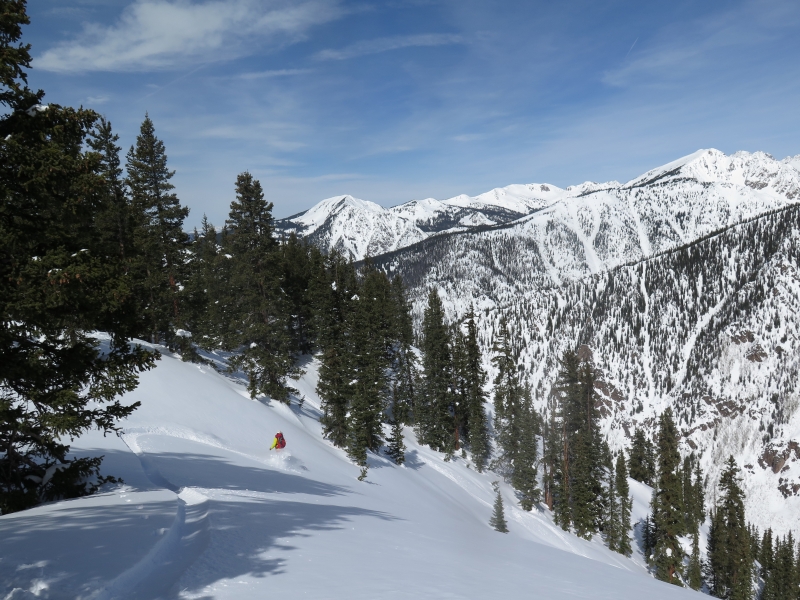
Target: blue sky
x=396 y=100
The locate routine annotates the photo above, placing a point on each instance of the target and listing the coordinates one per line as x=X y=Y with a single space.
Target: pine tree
x=525 y=465
x=257 y=308
x=404 y=358
x=552 y=452
x=566 y=425
x=335 y=317
x=508 y=403
x=295 y=280
x=477 y=427
x=116 y=219
x=612 y=528
x=435 y=402
x=767 y=555
x=586 y=461
x=689 y=498
x=396 y=449
x=62 y=277
x=699 y=495
x=715 y=552
x=625 y=505
x=668 y=513
x=648 y=539
x=498 y=519
x=731 y=559
x=694 y=572
x=641 y=463
x=158 y=234
x=203 y=314
x=371 y=341
x=459 y=386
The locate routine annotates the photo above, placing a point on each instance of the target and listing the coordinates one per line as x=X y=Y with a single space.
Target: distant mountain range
x=604 y=224
x=682 y=286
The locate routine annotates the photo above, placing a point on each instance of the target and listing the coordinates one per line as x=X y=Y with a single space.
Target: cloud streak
x=167 y=34
x=386 y=44
x=274 y=73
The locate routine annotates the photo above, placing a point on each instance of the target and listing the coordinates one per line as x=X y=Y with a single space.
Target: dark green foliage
x=476 y=430
x=648 y=538
x=404 y=361
x=552 y=452
x=625 y=505
x=642 y=458
x=668 y=512
x=498 y=518
x=612 y=528
x=729 y=557
x=62 y=277
x=694 y=571
x=574 y=456
x=295 y=281
x=115 y=221
x=698 y=492
x=459 y=386
x=361 y=325
x=516 y=423
x=256 y=308
x=338 y=287
x=395 y=448
x=693 y=494
x=435 y=421
x=203 y=315
x=766 y=555
x=158 y=236
x=780 y=580
x=525 y=464
x=508 y=402
x=372 y=336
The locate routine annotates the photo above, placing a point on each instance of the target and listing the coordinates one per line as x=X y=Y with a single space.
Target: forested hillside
x=708 y=329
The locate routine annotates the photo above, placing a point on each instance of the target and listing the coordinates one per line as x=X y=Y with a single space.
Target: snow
x=670 y=205
x=207 y=511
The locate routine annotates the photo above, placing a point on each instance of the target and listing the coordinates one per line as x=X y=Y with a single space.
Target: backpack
x=281 y=441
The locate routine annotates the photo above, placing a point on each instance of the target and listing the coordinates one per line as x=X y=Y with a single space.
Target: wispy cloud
x=164 y=34
x=680 y=52
x=274 y=73
x=390 y=43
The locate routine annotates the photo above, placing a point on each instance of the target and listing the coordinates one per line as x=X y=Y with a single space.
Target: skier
x=279 y=443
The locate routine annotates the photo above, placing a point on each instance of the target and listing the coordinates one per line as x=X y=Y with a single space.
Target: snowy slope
x=208 y=512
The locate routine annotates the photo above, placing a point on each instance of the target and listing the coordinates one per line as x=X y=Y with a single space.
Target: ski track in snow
x=166 y=561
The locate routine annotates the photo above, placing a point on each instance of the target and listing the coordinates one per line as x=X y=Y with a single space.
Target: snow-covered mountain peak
x=588 y=187
x=321 y=212
x=756 y=170
x=520 y=198
x=674 y=166
x=792 y=161
x=419 y=209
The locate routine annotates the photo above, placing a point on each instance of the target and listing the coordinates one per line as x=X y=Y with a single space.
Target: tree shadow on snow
x=211 y=471
x=412 y=460
x=250 y=538
x=76 y=546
